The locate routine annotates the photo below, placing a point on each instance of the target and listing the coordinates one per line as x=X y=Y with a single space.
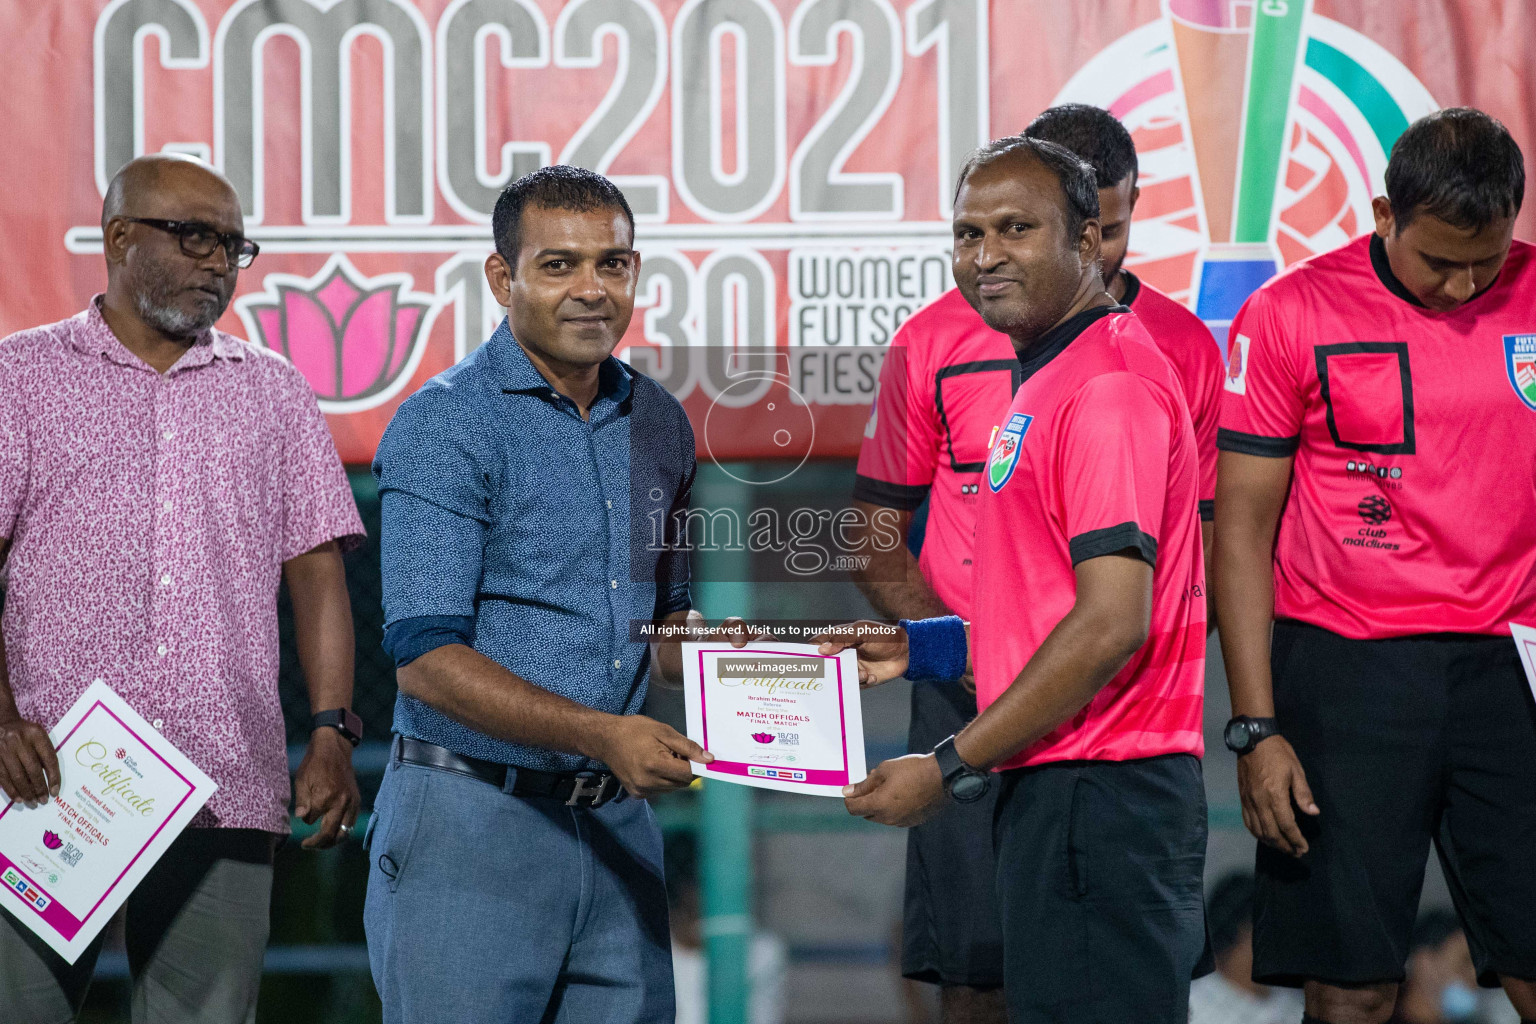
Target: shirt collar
x=1383 y=268
x=1055 y=341
x=93 y=336
x=514 y=371
x=1132 y=288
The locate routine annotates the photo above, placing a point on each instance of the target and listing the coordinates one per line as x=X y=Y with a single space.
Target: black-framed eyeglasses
x=199 y=240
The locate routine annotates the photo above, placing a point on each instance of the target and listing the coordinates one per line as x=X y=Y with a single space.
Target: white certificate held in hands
x=125 y=794
x=774 y=715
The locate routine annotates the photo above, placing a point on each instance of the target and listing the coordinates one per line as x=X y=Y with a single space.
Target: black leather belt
x=574 y=789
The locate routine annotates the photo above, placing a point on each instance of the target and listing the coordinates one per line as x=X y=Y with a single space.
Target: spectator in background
x=1441 y=986
x=767 y=959
x=1230 y=996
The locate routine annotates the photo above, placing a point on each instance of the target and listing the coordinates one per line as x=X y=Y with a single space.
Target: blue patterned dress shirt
x=506 y=512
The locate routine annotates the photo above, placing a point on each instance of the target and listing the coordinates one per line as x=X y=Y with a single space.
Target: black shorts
x=1405 y=742
x=951 y=931
x=1100 y=867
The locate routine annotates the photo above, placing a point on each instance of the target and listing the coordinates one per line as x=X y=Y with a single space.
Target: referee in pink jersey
x=1088 y=622
x=944 y=391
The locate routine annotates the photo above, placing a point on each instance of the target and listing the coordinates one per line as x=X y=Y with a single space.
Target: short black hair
x=1229 y=909
x=1094 y=134
x=1074 y=173
x=1457 y=164
x=557 y=187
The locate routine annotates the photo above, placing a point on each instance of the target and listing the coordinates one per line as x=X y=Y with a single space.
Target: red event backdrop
x=790 y=162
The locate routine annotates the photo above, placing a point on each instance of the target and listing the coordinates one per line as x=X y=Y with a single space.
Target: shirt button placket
x=163 y=536
x=161 y=413
x=613 y=540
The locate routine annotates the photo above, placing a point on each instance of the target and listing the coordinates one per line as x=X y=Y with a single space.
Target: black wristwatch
x=1243 y=733
x=343 y=720
x=963 y=783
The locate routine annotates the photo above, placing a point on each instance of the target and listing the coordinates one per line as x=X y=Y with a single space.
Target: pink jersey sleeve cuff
x=1257 y=444
x=883 y=492
x=1112 y=539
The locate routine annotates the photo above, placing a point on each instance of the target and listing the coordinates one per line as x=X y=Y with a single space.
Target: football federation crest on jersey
x=1005 y=453
x=1520 y=364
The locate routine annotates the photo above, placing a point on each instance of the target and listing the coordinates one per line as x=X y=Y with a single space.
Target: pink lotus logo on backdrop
x=52 y=841
x=763 y=737
x=356 y=339
x=121 y=753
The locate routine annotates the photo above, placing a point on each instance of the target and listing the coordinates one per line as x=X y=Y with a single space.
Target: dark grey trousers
x=196 y=928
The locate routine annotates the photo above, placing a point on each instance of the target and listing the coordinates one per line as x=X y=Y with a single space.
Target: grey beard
x=173 y=322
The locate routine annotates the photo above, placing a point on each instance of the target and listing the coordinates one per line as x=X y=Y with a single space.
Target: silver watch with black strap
x=963 y=783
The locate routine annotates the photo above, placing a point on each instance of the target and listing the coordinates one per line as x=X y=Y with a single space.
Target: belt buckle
x=592 y=790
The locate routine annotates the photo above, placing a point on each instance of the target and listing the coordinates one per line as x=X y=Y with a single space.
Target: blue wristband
x=935 y=648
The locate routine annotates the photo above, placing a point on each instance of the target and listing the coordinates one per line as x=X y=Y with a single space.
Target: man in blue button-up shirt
x=514 y=874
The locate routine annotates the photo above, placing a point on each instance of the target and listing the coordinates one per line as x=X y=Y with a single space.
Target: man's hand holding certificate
x=775 y=715
x=121 y=794
x=903 y=791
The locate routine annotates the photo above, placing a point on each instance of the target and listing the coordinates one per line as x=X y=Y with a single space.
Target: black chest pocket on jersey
x=1368 y=391
x=990 y=382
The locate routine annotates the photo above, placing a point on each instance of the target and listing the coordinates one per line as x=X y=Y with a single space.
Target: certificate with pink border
x=125 y=794
x=1525 y=640
x=775 y=715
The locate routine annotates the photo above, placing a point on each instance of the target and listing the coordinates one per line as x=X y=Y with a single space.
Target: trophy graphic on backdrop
x=1238 y=65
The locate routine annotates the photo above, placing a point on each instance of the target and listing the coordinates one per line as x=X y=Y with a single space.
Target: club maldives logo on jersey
x=1005 y=453
x=1375 y=512
x=1520 y=364
x=1262 y=130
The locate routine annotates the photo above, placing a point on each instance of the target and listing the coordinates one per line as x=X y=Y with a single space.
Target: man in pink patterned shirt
x=157 y=479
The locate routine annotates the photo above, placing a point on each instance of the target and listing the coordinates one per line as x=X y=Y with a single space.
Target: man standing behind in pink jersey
x=944 y=389
x=1099 y=138
x=157 y=478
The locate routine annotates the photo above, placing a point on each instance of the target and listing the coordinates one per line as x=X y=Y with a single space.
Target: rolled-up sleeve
x=435 y=492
